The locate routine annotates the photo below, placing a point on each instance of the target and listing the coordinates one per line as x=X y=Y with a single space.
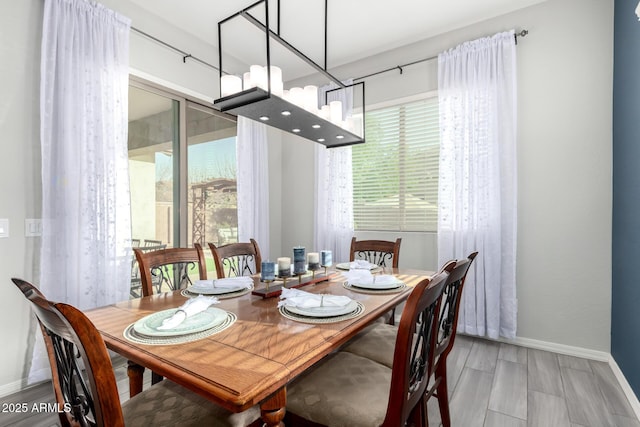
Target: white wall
x=20 y=184
x=565 y=86
x=565 y=154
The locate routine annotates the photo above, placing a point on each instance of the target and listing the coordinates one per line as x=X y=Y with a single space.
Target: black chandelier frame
x=264 y=106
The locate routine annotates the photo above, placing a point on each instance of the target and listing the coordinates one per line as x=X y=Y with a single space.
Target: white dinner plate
x=205 y=287
x=347 y=266
x=202 y=321
x=379 y=285
x=327 y=311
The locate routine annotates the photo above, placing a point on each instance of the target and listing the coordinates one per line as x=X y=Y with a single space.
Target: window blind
x=395 y=173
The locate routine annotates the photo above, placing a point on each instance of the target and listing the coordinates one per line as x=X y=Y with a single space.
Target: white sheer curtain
x=85 y=180
x=478 y=178
x=333 y=228
x=253 y=183
x=85 y=254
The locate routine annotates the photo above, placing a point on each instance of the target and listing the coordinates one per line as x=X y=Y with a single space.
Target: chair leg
x=442 y=394
x=155 y=378
x=418 y=416
x=392 y=319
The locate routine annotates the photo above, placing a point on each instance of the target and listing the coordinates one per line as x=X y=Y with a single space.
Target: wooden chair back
x=153 y=243
x=84 y=383
x=237 y=259
x=170 y=267
x=414 y=352
x=451 y=305
x=381 y=252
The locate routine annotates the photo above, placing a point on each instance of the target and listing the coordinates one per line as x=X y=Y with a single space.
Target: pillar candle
x=268 y=271
x=230 y=84
x=311 y=98
x=284 y=266
x=247 y=83
x=335 y=108
x=277 y=86
x=313 y=259
x=299 y=260
x=325 y=258
x=296 y=96
x=258 y=76
x=325 y=112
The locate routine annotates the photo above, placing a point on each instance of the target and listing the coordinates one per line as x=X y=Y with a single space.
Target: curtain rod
x=522 y=33
x=186 y=55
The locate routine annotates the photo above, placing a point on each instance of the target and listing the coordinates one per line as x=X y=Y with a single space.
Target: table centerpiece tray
x=273 y=289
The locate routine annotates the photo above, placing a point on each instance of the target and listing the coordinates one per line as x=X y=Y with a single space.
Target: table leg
x=273 y=409
x=134 y=372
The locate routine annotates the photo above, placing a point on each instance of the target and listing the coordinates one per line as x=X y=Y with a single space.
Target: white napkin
x=364 y=277
x=360 y=264
x=227 y=282
x=302 y=299
x=189 y=308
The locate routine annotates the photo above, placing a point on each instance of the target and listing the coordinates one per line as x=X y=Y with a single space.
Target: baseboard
x=626 y=388
x=36 y=379
x=14 y=387
x=601 y=356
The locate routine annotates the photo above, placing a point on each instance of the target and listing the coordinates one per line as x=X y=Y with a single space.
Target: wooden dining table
x=252 y=361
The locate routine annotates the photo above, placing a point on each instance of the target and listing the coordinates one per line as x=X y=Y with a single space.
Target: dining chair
x=447 y=332
x=152 y=242
x=351 y=390
x=380 y=252
x=171 y=267
x=236 y=259
x=378 y=342
x=84 y=383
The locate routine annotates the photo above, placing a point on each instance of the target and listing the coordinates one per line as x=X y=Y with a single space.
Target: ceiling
x=356 y=28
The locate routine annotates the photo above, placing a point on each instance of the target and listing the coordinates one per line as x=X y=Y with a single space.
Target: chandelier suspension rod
x=290 y=47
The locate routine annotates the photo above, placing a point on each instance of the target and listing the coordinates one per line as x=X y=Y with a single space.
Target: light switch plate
x=32 y=227
x=4 y=227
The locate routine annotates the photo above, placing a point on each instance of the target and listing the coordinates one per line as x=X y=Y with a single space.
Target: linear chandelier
x=260 y=94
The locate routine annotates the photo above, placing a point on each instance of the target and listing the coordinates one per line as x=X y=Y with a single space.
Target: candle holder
x=313 y=267
x=300 y=274
x=284 y=275
x=267 y=282
x=304 y=279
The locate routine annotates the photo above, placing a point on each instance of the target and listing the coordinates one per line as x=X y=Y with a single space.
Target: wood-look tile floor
x=490 y=385
x=495 y=384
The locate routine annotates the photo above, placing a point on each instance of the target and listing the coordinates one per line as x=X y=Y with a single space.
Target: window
x=395 y=173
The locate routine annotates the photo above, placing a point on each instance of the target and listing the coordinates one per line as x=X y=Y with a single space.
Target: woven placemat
x=133 y=336
x=186 y=293
x=306 y=319
x=374 y=291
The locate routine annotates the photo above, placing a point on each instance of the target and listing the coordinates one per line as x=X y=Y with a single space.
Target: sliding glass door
x=154 y=150
x=182 y=171
x=212 y=214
